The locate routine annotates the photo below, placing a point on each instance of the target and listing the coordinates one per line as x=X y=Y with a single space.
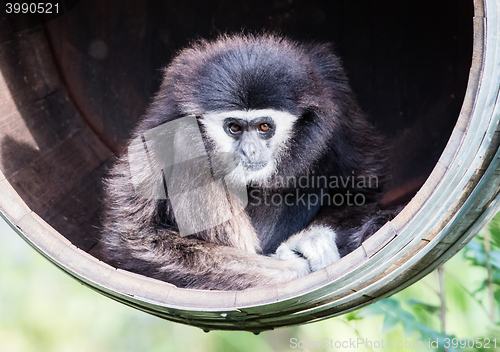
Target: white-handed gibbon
x=253 y=165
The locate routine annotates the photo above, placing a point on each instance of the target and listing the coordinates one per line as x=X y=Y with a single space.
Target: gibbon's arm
x=217 y=267
x=194 y=263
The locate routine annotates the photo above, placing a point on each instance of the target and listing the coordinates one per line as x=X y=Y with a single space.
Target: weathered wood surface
x=47 y=151
x=53 y=157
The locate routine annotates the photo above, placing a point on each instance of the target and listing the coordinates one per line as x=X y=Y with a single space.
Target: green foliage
x=479 y=255
x=41 y=309
x=494 y=227
x=394 y=313
x=482 y=256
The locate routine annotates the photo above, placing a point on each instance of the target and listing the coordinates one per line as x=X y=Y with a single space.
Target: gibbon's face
x=256 y=102
x=255 y=138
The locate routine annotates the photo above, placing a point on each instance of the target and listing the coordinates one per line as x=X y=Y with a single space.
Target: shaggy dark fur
x=331 y=138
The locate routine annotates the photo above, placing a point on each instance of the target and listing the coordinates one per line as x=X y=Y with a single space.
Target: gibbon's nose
x=249 y=150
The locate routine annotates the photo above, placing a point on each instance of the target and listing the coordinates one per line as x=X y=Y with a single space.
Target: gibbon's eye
x=264 y=127
x=234 y=128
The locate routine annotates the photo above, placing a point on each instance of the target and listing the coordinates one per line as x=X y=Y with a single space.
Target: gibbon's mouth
x=253 y=166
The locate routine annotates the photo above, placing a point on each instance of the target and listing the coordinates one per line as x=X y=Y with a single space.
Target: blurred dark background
x=407 y=61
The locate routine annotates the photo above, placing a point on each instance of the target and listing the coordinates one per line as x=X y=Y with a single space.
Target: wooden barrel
x=427 y=73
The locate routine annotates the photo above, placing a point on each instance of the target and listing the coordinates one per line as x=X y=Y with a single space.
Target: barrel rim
x=437 y=223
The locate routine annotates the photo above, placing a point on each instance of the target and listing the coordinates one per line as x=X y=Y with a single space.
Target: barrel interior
x=81 y=82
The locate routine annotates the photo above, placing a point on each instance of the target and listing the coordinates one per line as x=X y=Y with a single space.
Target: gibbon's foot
x=316 y=244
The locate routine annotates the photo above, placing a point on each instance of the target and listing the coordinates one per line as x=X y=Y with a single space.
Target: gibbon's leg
x=194 y=263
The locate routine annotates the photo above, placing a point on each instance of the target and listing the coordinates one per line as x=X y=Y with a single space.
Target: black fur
x=331 y=138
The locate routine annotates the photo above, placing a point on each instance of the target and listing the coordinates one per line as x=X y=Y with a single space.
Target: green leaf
x=494 y=259
x=432 y=309
x=496 y=277
x=475 y=254
x=353 y=316
x=495 y=235
x=496 y=294
x=390 y=322
x=494 y=227
x=484 y=285
x=394 y=313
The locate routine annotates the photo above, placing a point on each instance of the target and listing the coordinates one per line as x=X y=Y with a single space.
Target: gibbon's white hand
x=316 y=244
